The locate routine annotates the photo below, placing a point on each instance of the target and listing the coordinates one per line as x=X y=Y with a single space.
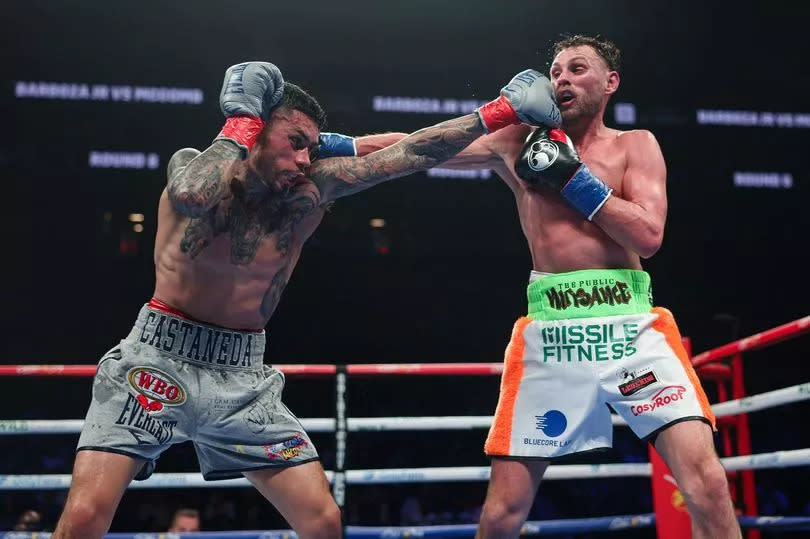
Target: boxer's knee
x=500 y=518
x=705 y=486
x=84 y=517
x=325 y=524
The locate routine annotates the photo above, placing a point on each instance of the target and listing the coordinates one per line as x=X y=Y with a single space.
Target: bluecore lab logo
x=552 y=423
x=155 y=388
x=588 y=293
x=542 y=155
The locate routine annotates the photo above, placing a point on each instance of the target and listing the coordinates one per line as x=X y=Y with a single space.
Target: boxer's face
x=582 y=82
x=286 y=147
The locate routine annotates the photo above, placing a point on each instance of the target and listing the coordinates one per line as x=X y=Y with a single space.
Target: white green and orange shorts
x=591 y=340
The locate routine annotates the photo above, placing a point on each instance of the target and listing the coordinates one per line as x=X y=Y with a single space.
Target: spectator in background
x=185 y=520
x=30 y=521
x=410 y=513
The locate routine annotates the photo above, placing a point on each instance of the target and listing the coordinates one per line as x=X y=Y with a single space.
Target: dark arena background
x=96 y=96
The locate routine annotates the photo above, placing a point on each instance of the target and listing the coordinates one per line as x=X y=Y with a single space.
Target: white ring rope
x=447 y=422
x=778 y=459
x=763 y=401
x=753 y=403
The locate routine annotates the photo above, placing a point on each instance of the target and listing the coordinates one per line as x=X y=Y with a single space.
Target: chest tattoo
x=248 y=223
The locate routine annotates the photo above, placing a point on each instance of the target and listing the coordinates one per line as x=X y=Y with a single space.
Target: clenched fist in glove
x=528 y=98
x=249 y=92
x=549 y=158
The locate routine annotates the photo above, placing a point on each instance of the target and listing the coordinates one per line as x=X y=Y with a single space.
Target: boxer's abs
x=560 y=240
x=216 y=287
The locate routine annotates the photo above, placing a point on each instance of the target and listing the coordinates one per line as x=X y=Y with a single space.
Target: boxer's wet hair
x=608 y=50
x=296 y=98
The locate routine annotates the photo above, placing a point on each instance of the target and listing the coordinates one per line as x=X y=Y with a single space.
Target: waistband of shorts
x=589 y=293
x=196 y=342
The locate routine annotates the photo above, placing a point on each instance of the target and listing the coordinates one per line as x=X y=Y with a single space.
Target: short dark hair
x=296 y=98
x=608 y=50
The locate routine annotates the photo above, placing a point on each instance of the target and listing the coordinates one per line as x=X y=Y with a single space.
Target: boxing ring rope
x=754 y=342
x=546 y=527
x=757 y=341
x=777 y=459
x=739 y=424
x=763 y=401
x=429 y=369
x=341 y=425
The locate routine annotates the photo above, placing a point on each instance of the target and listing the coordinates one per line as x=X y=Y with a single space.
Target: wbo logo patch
x=155 y=388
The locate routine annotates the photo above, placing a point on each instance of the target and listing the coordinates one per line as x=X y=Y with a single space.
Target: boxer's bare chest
x=250 y=224
x=607 y=160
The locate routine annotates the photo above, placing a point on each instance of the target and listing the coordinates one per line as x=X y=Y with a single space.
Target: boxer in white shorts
x=591 y=338
x=591 y=196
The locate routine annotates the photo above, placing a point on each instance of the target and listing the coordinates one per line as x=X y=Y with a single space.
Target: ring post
x=339 y=482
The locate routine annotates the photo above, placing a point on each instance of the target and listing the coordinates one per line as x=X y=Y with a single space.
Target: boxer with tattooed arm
x=231 y=225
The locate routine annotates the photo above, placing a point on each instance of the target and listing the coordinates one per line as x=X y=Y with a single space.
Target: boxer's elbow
x=650 y=242
x=648 y=251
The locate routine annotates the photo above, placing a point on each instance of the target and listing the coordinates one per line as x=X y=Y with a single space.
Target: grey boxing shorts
x=173 y=379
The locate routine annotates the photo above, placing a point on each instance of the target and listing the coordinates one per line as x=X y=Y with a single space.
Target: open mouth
x=565 y=98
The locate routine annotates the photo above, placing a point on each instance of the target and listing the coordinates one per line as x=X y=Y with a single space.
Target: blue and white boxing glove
x=336 y=145
x=549 y=158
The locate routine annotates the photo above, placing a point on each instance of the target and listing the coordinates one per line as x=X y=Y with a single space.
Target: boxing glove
x=250 y=90
x=549 y=158
x=336 y=145
x=528 y=98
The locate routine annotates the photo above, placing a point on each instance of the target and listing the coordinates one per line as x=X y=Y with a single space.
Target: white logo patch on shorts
x=155 y=386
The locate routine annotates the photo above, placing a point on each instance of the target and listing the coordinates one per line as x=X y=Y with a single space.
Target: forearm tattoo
x=421 y=150
x=198 y=186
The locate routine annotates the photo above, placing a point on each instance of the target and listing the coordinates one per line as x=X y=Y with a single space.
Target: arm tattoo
x=200 y=185
x=421 y=150
x=198 y=235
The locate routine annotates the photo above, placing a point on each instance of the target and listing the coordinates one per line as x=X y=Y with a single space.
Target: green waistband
x=589 y=293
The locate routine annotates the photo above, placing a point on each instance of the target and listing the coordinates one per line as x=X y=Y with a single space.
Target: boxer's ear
x=612 y=82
